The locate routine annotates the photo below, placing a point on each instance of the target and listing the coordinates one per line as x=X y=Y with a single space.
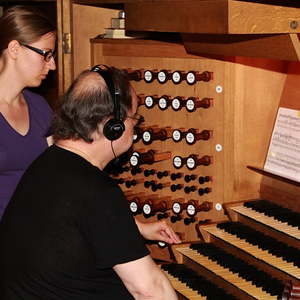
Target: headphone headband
x=113 y=128
x=115 y=93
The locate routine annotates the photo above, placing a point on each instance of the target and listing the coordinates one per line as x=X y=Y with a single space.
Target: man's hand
x=158 y=231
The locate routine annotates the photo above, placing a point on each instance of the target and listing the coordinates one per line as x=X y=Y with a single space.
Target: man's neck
x=83 y=149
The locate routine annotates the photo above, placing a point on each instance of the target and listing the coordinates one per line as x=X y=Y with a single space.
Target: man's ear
x=13 y=49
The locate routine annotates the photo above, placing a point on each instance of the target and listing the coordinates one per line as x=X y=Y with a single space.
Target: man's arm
x=144 y=280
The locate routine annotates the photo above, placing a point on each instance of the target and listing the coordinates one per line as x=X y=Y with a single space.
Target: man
x=67 y=232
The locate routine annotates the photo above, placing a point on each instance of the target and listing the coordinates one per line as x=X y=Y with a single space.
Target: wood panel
x=279 y=191
x=90 y=22
x=251 y=106
x=253 y=17
x=212 y=16
x=283 y=191
x=83 y=23
x=178 y=16
x=291 y=92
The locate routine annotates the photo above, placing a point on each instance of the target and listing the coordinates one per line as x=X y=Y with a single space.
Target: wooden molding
x=65 y=60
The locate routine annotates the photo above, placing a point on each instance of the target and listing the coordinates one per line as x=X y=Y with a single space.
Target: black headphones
x=113 y=128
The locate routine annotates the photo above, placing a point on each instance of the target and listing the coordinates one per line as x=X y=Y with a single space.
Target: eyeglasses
x=139 y=119
x=47 y=54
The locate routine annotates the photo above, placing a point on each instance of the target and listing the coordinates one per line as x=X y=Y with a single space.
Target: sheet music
x=283 y=156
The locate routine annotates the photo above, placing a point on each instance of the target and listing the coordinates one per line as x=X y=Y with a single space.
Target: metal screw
x=294 y=24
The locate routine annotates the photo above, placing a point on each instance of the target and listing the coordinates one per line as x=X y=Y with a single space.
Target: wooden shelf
x=140 y=47
x=274 y=46
x=281 y=46
x=272 y=175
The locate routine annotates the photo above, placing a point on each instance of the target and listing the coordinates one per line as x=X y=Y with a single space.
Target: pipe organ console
x=198 y=159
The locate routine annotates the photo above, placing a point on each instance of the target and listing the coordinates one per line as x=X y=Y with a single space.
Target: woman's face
x=31 y=66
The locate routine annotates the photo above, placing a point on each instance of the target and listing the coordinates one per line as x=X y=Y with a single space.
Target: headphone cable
x=112 y=149
x=116 y=159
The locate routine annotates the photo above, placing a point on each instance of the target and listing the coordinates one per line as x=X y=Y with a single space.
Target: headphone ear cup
x=113 y=129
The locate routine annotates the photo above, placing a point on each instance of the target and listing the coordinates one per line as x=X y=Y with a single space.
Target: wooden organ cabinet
x=210 y=76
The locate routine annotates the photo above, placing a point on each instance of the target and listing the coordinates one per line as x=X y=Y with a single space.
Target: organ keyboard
x=183 y=289
x=254 y=250
x=192 y=285
x=226 y=274
x=270 y=221
x=245 y=262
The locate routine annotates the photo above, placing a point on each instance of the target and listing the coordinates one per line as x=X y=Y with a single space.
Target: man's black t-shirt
x=66 y=226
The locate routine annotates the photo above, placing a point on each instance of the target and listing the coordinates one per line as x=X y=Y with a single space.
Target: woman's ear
x=13 y=48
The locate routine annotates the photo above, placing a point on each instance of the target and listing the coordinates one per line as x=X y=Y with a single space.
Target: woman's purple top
x=18 y=151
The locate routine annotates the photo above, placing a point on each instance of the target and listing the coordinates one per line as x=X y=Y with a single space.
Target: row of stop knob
x=175 y=187
x=161 y=174
x=152 y=156
x=154 y=133
x=155 y=186
x=149 y=205
x=176 y=103
x=176 y=175
x=162 y=76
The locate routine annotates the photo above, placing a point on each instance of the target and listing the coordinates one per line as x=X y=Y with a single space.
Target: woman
x=27 y=50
